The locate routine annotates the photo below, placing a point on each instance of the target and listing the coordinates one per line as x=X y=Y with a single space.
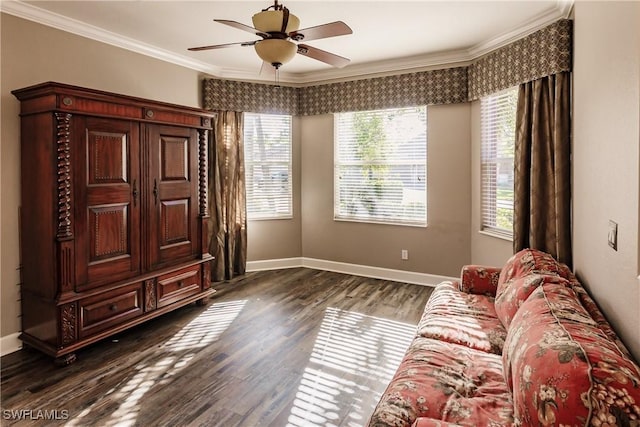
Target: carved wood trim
x=150 y=302
x=66 y=265
x=63 y=122
x=68 y=323
x=202 y=169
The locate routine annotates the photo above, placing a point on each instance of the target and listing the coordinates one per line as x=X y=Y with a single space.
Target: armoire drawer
x=109 y=309
x=177 y=285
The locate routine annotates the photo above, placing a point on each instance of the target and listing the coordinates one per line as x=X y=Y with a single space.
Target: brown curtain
x=228 y=227
x=542 y=182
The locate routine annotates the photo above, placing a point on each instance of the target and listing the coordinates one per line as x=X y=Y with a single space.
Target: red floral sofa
x=524 y=345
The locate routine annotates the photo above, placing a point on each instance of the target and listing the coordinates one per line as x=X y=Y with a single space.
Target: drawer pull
x=113 y=307
x=180 y=283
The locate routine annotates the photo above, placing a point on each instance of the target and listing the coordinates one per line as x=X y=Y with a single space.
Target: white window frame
x=497 y=122
x=409 y=198
x=253 y=213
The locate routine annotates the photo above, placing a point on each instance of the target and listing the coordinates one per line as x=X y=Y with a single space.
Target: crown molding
x=562 y=11
x=353 y=72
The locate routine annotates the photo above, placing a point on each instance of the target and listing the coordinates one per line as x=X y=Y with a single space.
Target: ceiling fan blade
x=324 y=56
x=324 y=31
x=242 y=27
x=220 y=46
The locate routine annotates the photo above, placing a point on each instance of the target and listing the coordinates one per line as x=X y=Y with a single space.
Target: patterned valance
x=447 y=86
x=545 y=52
x=232 y=95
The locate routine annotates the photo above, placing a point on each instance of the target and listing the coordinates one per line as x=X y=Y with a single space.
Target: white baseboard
x=10 y=343
x=274 y=264
x=346 y=268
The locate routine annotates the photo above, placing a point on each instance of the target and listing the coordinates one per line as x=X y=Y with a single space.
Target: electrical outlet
x=613 y=235
x=404 y=254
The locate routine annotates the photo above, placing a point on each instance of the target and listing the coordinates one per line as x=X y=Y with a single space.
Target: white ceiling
x=387 y=36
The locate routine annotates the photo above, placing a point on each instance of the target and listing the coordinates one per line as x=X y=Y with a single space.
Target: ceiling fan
x=277 y=27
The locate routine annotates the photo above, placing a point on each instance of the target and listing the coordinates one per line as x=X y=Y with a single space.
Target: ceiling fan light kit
x=277 y=28
x=276 y=51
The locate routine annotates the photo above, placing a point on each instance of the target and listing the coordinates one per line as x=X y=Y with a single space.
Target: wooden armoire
x=113 y=223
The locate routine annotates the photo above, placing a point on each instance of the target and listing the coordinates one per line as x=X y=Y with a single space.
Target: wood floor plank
x=283 y=348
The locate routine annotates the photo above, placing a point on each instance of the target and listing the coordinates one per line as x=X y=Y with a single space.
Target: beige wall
x=441 y=248
x=606 y=145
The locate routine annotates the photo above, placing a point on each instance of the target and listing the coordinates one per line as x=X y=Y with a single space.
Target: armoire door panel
x=108 y=232
x=174 y=220
x=108 y=217
x=174 y=160
x=108 y=159
x=173 y=193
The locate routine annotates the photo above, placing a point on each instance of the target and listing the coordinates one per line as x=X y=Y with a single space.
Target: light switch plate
x=613 y=235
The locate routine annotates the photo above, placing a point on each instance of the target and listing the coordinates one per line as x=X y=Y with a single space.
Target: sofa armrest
x=478 y=279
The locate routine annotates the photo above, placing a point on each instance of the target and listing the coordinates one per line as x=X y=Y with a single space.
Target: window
x=498 y=122
x=267 y=154
x=380 y=166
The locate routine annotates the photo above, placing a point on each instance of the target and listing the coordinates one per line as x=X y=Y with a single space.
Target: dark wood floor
x=295 y=347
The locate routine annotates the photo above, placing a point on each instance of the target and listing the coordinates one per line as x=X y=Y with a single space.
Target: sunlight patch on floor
x=351 y=352
x=179 y=350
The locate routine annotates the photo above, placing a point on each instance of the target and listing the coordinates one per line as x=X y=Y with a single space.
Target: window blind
x=498 y=124
x=267 y=150
x=380 y=160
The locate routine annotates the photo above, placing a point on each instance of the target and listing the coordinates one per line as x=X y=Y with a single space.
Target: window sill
x=271 y=218
x=372 y=221
x=496 y=235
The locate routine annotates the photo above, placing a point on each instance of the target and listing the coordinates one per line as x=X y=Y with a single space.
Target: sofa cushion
x=462 y=318
x=448 y=382
x=563 y=369
x=525 y=262
x=478 y=279
x=517 y=290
